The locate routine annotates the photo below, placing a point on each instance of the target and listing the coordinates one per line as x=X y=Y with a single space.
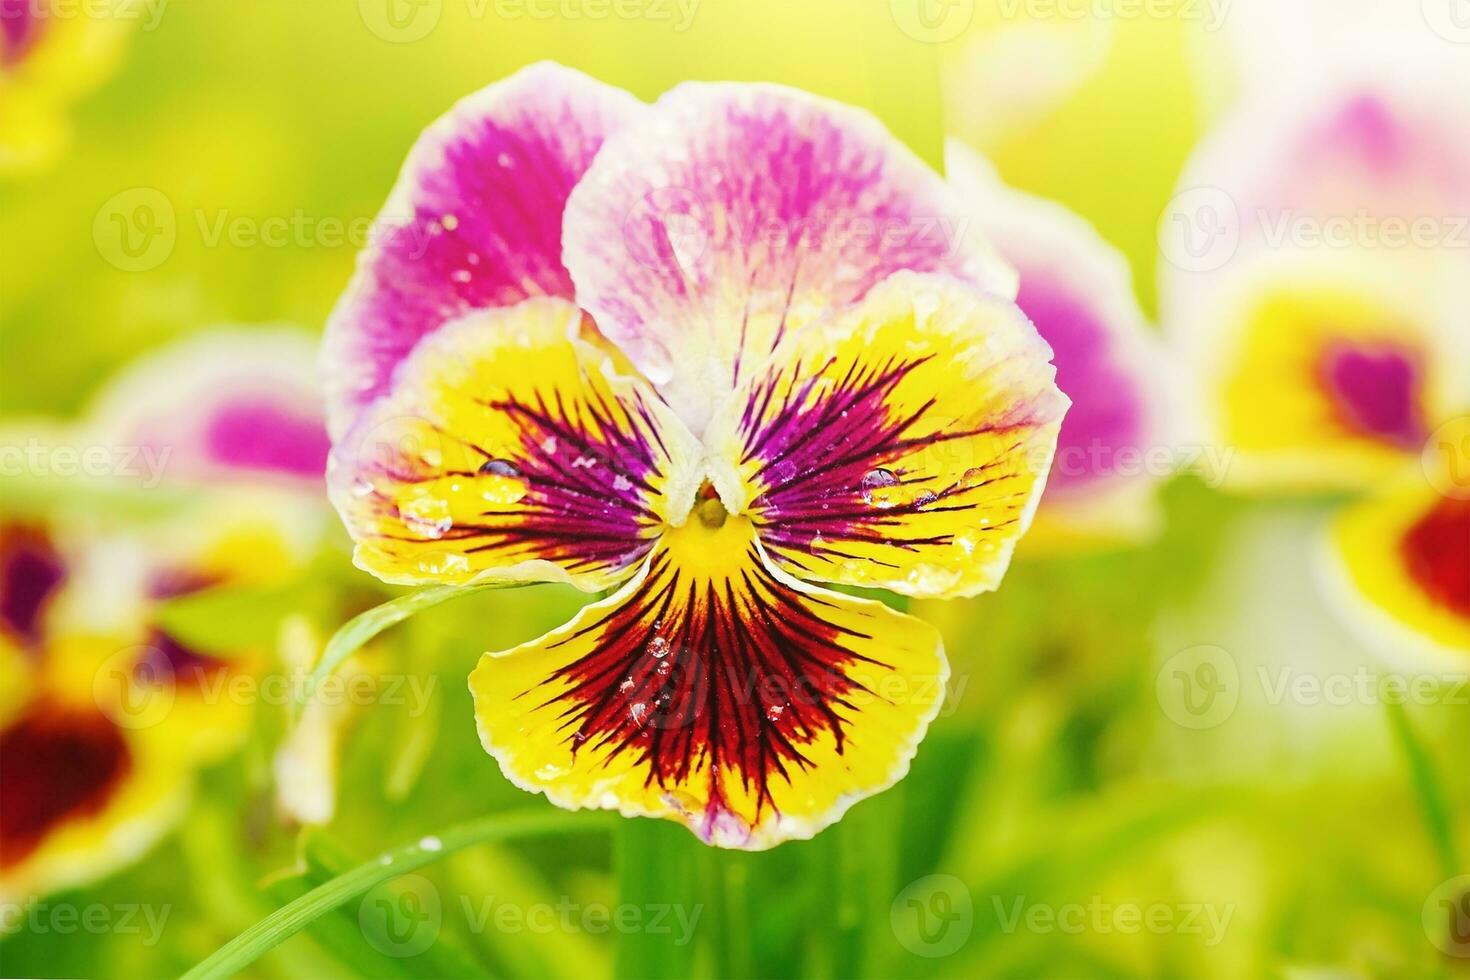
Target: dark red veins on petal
x=587 y=468
x=1436 y=551
x=707 y=680
x=56 y=764
x=825 y=443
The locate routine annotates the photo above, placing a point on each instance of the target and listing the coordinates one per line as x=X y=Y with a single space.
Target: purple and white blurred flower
x=1114 y=449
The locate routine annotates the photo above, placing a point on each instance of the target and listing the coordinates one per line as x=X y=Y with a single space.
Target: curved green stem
x=290 y=919
x=358 y=630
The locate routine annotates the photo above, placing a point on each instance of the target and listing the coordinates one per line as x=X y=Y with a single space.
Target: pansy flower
x=51 y=53
x=1398 y=563
x=84 y=792
x=1114 y=449
x=107 y=709
x=1313 y=282
x=1327 y=341
x=703 y=355
x=233 y=416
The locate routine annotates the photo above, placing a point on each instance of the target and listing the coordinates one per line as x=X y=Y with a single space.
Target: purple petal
x=475 y=222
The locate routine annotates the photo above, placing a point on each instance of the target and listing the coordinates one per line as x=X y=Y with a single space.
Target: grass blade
x=285 y=922
x=1434 y=804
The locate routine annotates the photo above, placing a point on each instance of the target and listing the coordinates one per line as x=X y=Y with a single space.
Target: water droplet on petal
x=876 y=487
x=501 y=482
x=429 y=516
x=431 y=843
x=658 y=647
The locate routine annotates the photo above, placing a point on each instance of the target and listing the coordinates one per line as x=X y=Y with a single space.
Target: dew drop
x=502 y=483
x=429 y=516
x=500 y=467
x=621 y=483
x=506 y=160
x=658 y=647
x=431 y=843
x=876 y=487
x=638 y=712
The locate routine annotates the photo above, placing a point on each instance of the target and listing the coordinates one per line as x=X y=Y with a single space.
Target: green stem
x=285 y=922
x=654 y=861
x=358 y=630
x=1434 y=806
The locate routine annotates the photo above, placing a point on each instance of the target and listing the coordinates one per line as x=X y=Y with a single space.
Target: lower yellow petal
x=715 y=690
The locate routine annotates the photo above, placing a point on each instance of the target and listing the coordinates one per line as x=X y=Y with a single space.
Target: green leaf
x=285 y=922
x=358 y=630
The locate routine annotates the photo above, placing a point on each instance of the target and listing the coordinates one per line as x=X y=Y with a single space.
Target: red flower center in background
x=1436 y=552
x=56 y=764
